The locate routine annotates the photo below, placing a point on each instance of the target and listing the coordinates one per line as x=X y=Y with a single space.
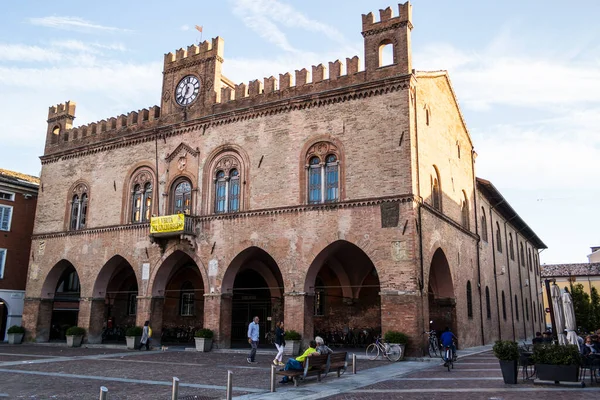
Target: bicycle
x=448 y=357
x=392 y=352
x=434 y=345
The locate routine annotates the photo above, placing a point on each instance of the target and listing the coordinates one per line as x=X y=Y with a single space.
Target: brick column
x=217 y=316
x=151 y=309
x=37 y=316
x=91 y=318
x=403 y=312
x=299 y=314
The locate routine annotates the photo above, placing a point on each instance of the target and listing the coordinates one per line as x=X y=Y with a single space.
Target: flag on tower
x=199 y=28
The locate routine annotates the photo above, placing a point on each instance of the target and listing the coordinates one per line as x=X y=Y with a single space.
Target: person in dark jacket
x=279 y=343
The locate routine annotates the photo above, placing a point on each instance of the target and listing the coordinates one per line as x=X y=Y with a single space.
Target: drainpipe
x=512 y=311
x=495 y=269
x=477 y=245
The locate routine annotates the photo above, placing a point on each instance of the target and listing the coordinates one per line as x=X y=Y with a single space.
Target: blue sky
x=527 y=76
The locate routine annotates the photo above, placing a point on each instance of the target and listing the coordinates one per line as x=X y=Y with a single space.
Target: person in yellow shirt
x=295 y=364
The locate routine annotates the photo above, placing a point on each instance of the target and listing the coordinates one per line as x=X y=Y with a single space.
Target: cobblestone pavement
x=51 y=372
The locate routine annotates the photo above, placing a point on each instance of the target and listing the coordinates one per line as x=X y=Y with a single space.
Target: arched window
x=526 y=309
x=226 y=173
x=488 y=306
x=436 y=191
x=498 y=238
x=533 y=311
x=484 y=231
x=464 y=211
x=516 y=307
x=187 y=299
x=79 y=206
x=503 y=306
x=182 y=197
x=469 y=300
x=529 y=259
x=522 y=256
x=142 y=195
x=458 y=148
x=323 y=170
x=511 y=247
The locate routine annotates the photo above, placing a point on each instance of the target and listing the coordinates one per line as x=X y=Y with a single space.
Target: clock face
x=187 y=90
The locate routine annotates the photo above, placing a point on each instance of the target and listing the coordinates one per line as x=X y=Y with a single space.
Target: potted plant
x=292 y=343
x=399 y=338
x=133 y=335
x=75 y=336
x=15 y=334
x=203 y=338
x=507 y=353
x=555 y=362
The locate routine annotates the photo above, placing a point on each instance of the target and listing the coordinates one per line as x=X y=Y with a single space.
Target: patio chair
x=591 y=363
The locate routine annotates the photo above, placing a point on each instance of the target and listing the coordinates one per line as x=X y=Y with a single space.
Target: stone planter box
x=510 y=371
x=203 y=344
x=292 y=347
x=133 y=342
x=15 y=338
x=557 y=373
x=74 y=341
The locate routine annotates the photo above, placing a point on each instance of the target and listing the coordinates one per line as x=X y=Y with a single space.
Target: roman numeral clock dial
x=187 y=90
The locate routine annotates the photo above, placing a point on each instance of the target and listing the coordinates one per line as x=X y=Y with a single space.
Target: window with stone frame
x=227 y=185
x=181 y=195
x=484 y=230
x=511 y=247
x=187 y=300
x=79 y=207
x=323 y=173
x=8 y=196
x=2 y=262
x=142 y=195
x=488 y=306
x=498 y=238
x=5 y=218
x=469 y=300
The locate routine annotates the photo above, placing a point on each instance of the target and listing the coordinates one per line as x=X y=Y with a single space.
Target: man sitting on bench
x=296 y=364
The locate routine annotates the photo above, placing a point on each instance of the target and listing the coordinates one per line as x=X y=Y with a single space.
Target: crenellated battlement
x=387 y=19
x=206 y=50
x=62 y=110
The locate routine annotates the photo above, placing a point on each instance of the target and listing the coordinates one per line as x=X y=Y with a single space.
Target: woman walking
x=279 y=343
x=145 y=336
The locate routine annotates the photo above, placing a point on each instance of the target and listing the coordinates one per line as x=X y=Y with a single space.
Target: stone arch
x=163 y=268
x=440 y=292
x=52 y=277
x=106 y=273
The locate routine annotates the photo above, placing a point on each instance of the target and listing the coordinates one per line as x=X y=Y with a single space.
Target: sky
x=526 y=73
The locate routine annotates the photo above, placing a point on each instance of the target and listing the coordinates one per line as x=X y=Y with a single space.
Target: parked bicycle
x=434 y=345
x=392 y=352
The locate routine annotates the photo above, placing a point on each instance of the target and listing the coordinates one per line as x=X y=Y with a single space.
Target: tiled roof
x=583 y=269
x=17 y=176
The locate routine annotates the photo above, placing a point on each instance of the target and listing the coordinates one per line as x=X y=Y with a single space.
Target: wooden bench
x=337 y=362
x=313 y=365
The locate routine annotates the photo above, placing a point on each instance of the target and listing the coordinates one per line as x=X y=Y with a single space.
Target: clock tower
x=192 y=81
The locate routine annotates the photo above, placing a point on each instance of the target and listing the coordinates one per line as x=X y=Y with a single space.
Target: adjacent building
x=342 y=199
x=18 y=198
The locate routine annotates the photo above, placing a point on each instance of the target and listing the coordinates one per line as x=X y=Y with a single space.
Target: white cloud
x=73 y=23
x=19 y=52
x=185 y=27
x=87 y=46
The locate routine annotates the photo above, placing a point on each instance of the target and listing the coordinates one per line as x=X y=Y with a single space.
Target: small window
x=503 y=306
x=469 y=300
x=182 y=198
x=511 y=247
x=458 y=149
x=498 y=238
x=187 y=300
x=132 y=304
x=323 y=174
x=533 y=311
x=8 y=196
x=488 y=306
x=5 y=218
x=526 y=309
x=517 y=307
x=464 y=210
x=522 y=256
x=484 y=231
x=2 y=262
x=386 y=54
x=436 y=193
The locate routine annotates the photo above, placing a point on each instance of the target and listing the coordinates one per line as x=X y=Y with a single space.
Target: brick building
x=18 y=198
x=346 y=202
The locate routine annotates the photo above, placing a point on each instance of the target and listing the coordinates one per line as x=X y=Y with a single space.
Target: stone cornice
x=307 y=101
x=237 y=215
x=397 y=25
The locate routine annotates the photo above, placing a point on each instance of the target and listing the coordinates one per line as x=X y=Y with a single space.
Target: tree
x=594 y=309
x=582 y=306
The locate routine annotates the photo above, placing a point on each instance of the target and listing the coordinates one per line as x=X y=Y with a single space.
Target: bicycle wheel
x=432 y=350
x=372 y=351
x=448 y=358
x=394 y=353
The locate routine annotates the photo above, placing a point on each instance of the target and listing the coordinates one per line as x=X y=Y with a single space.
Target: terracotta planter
x=203 y=344
x=510 y=371
x=292 y=347
x=74 y=341
x=133 y=342
x=15 y=338
x=557 y=373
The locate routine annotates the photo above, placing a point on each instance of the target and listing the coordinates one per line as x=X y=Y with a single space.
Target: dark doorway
x=65 y=309
x=441 y=299
x=3 y=319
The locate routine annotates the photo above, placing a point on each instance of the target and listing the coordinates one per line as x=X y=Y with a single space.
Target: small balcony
x=177 y=226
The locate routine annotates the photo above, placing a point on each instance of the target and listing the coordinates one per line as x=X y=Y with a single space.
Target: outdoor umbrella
x=559 y=316
x=570 y=324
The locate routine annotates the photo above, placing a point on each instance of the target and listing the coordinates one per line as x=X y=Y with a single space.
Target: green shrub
x=292 y=335
x=396 y=337
x=556 y=354
x=16 y=329
x=134 y=331
x=204 y=333
x=75 y=331
x=506 y=350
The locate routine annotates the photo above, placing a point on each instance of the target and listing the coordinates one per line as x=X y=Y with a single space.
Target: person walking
x=145 y=336
x=279 y=343
x=253 y=335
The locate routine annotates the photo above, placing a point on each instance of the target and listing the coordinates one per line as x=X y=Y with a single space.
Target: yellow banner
x=167 y=223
